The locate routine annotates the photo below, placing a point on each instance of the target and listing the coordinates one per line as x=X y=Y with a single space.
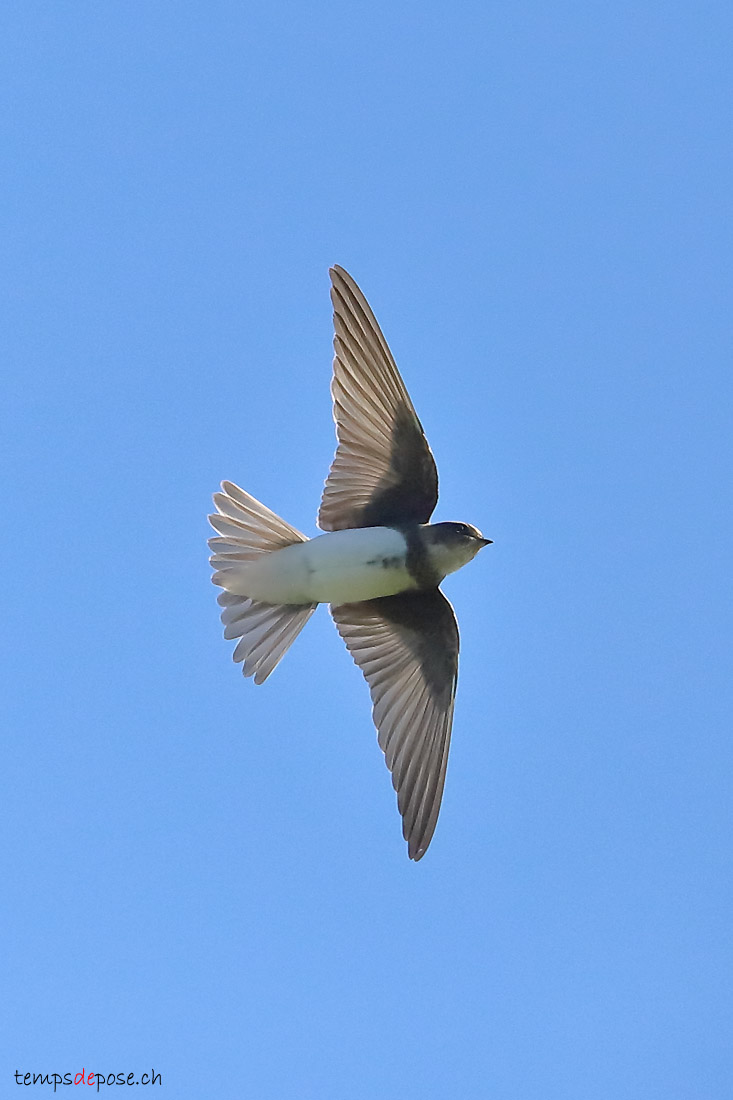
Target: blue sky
x=209 y=878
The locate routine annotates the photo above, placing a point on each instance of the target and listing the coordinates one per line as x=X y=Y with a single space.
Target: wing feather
x=407 y=648
x=383 y=471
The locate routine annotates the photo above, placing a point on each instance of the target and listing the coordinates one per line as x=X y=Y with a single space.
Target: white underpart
x=449 y=558
x=339 y=567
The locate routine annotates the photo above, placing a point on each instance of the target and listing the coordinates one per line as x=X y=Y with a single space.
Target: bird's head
x=453 y=544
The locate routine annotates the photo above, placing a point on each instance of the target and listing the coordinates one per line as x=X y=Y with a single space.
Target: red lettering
x=79 y=1079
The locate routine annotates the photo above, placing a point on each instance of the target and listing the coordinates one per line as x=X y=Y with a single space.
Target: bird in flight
x=378 y=567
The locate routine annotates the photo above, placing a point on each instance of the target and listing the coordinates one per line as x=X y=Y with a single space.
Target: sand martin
x=378 y=567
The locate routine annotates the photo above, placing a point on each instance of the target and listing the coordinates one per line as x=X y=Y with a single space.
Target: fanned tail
x=248 y=529
x=265 y=631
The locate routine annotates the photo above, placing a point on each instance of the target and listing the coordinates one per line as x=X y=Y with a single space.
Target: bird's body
x=340 y=567
x=378 y=565
x=363 y=563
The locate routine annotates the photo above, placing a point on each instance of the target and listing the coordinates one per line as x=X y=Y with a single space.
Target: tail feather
x=248 y=529
x=265 y=632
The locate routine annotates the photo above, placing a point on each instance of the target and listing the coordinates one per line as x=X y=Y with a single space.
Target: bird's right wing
x=407 y=648
x=384 y=472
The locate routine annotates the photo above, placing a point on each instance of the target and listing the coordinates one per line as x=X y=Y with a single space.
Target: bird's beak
x=486 y=542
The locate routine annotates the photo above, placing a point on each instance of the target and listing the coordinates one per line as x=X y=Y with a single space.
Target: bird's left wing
x=407 y=648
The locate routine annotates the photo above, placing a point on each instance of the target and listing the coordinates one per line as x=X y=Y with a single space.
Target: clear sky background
x=209 y=878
